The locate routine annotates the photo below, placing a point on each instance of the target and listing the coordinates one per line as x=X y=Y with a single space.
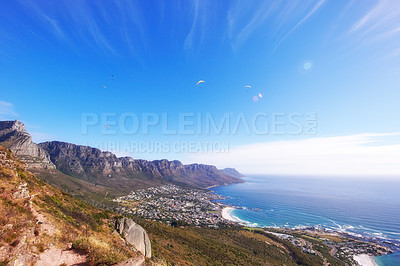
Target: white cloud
x=257 y=19
x=189 y=38
x=382 y=20
x=356 y=155
x=7 y=111
x=284 y=16
x=100 y=25
x=307 y=16
x=198 y=29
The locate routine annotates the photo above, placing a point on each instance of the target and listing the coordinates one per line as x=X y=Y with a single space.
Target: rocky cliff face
x=232 y=172
x=135 y=235
x=93 y=165
x=13 y=135
x=104 y=168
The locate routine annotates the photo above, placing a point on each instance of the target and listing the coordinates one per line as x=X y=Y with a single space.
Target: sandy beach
x=226 y=213
x=365 y=260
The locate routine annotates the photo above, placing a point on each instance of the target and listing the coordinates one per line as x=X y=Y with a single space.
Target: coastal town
x=342 y=247
x=175 y=205
x=178 y=206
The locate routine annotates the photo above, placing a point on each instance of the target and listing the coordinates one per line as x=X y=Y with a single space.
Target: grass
x=312 y=238
x=99 y=251
x=90 y=229
x=227 y=246
x=332 y=238
x=252 y=229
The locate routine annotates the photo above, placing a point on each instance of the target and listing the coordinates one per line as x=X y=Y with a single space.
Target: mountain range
x=87 y=171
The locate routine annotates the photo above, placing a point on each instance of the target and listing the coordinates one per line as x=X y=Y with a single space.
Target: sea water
x=364 y=207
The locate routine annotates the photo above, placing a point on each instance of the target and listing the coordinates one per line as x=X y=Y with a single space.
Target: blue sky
x=337 y=59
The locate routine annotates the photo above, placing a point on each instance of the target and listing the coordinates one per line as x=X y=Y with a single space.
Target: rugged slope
x=227 y=246
x=95 y=166
x=14 y=136
x=39 y=223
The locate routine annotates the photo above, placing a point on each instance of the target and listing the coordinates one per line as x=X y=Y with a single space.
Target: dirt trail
x=57 y=256
x=53 y=255
x=45 y=225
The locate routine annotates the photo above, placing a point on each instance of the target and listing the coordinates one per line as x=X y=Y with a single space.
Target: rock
x=135 y=235
x=13 y=135
x=22 y=191
x=7 y=227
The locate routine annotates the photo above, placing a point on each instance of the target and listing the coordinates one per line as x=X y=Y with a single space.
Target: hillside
x=39 y=222
x=43 y=225
x=227 y=246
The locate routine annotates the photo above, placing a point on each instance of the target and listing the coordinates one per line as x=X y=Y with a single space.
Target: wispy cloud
x=189 y=39
x=256 y=19
x=101 y=25
x=382 y=19
x=45 y=17
x=306 y=17
x=284 y=18
x=7 y=111
x=87 y=26
x=197 y=29
x=362 y=154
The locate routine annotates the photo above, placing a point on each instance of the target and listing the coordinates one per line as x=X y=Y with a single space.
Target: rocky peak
x=12 y=126
x=13 y=135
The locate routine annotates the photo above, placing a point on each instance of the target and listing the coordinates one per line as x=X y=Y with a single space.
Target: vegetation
x=228 y=246
x=90 y=230
x=75 y=222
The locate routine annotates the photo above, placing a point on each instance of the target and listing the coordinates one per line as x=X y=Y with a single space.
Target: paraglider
x=103 y=86
x=107 y=126
x=112 y=77
x=199 y=82
x=247 y=87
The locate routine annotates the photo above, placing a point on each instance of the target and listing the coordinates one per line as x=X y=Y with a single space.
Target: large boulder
x=135 y=235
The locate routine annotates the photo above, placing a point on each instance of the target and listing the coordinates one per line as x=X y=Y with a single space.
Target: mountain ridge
x=92 y=164
x=232 y=172
x=84 y=169
x=14 y=136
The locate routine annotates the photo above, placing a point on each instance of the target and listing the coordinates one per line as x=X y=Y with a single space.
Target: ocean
x=369 y=208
